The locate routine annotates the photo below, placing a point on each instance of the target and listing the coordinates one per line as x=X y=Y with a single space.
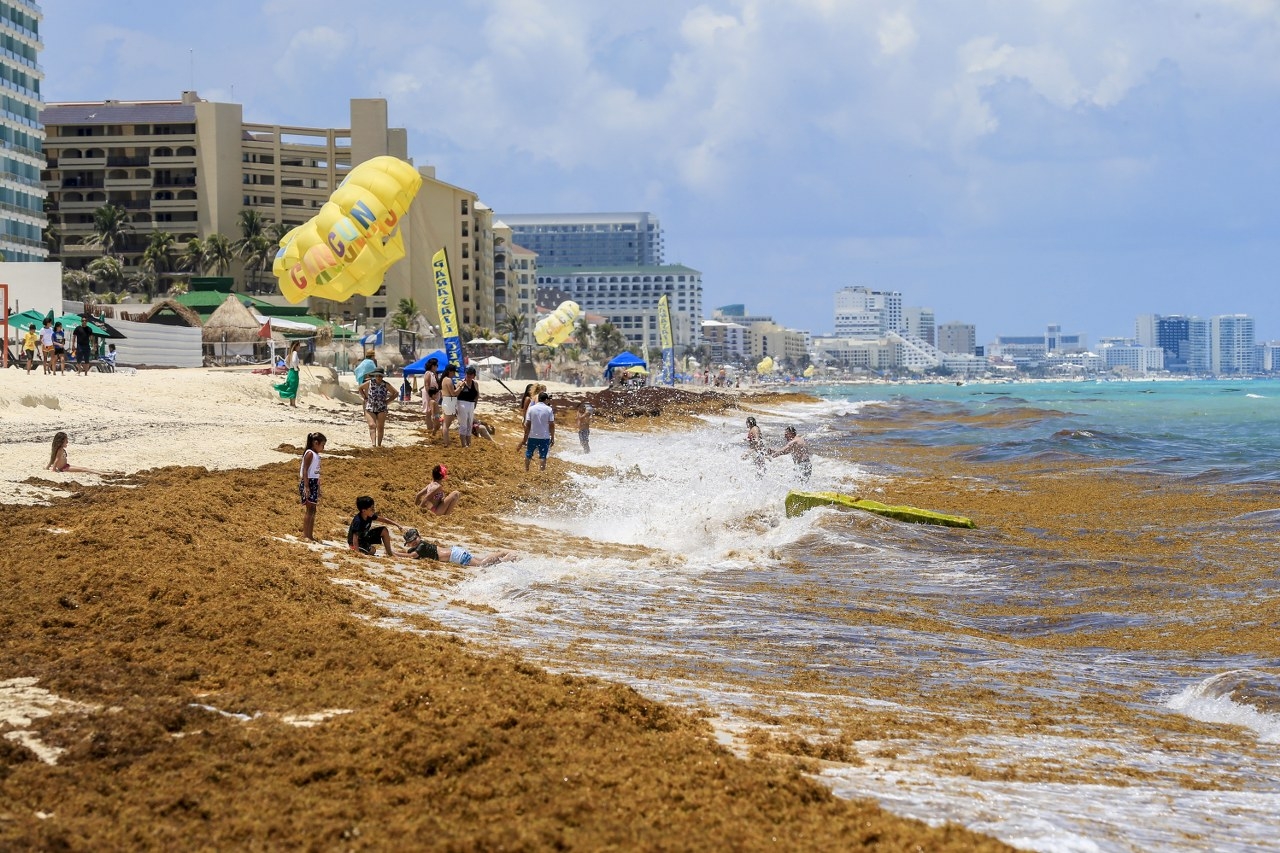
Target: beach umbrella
x=477 y=341
x=490 y=361
x=70 y=321
x=495 y=341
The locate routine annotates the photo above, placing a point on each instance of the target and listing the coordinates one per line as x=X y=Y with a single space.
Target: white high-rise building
x=1232 y=348
x=862 y=312
x=919 y=322
x=22 y=216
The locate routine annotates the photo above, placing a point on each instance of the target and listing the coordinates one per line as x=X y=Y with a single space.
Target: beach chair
x=105 y=366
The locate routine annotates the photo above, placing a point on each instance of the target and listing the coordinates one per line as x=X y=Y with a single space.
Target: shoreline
x=231 y=687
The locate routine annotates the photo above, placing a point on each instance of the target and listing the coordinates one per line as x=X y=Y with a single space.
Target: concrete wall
x=33 y=285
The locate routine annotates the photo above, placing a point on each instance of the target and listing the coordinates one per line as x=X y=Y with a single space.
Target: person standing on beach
x=288 y=389
x=468 y=396
x=309 y=482
x=46 y=346
x=364 y=368
x=584 y=426
x=449 y=398
x=377 y=394
x=755 y=445
x=59 y=349
x=799 y=452
x=83 y=337
x=30 y=342
x=539 y=431
x=431 y=395
x=432 y=497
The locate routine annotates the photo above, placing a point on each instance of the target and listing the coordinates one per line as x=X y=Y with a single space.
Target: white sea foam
x=1213 y=701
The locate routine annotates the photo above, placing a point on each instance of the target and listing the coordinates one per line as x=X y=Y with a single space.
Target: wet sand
x=214 y=683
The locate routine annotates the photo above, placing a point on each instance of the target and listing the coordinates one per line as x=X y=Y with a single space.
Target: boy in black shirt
x=367 y=530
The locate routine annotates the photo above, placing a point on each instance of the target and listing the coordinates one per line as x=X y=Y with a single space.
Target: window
x=465 y=207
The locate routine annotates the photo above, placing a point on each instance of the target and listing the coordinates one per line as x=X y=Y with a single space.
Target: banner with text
x=668 y=343
x=449 y=329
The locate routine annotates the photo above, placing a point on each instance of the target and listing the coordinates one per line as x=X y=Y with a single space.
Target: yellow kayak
x=798 y=502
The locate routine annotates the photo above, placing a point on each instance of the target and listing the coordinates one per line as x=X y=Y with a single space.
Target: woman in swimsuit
x=449 y=398
x=377 y=393
x=431 y=395
x=432 y=498
x=58 y=458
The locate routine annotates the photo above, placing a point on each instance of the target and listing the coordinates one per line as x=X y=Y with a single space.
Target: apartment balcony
x=173 y=161
x=128 y=183
x=70 y=161
x=136 y=160
x=80 y=250
x=175 y=181
x=79 y=205
x=172 y=204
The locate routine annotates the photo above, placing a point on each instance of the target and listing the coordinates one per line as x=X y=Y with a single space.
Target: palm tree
x=405 y=312
x=219 y=253
x=107 y=271
x=159 y=253
x=53 y=238
x=609 y=341
x=145 y=277
x=111 y=227
x=195 y=257
x=255 y=246
x=76 y=284
x=514 y=327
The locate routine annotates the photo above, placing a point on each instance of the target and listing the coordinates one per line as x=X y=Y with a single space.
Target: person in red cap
x=433 y=498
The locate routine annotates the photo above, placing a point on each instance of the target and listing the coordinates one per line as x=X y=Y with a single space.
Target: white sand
x=211 y=417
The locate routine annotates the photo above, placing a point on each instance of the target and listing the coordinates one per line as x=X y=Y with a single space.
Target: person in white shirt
x=539 y=431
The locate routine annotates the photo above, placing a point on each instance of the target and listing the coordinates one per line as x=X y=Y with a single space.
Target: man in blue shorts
x=539 y=431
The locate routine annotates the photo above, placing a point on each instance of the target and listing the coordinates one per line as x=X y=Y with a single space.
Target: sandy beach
x=181 y=671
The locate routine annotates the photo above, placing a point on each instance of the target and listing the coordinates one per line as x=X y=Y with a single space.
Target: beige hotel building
x=190 y=166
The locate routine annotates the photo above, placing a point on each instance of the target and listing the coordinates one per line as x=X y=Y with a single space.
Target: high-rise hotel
x=22 y=218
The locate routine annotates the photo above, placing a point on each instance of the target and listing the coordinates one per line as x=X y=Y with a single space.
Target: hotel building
x=628 y=297
x=589 y=239
x=190 y=166
x=22 y=195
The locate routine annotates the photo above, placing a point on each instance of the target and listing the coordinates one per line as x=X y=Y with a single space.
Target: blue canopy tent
x=623 y=361
x=419 y=367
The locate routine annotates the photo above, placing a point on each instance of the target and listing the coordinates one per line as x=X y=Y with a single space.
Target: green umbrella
x=70 y=321
x=26 y=318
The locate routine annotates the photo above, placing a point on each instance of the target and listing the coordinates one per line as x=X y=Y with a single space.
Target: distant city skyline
x=1009 y=164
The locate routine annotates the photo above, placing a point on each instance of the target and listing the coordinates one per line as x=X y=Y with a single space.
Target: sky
x=1007 y=163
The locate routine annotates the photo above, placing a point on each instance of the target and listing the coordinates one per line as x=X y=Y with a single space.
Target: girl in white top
x=309 y=482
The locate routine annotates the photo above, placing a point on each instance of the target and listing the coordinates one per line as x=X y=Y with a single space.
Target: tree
x=145 y=278
x=255 y=246
x=514 y=327
x=195 y=257
x=405 y=312
x=159 y=254
x=76 y=284
x=219 y=253
x=107 y=271
x=609 y=341
x=111 y=228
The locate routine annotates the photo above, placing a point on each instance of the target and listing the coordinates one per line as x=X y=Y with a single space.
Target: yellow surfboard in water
x=799 y=502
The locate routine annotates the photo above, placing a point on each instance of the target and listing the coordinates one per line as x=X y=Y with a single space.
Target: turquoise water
x=1221 y=431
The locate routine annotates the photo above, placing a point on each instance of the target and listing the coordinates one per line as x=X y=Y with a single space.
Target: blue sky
x=1008 y=163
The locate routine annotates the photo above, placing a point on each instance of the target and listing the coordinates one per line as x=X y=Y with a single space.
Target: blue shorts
x=309 y=490
x=542 y=445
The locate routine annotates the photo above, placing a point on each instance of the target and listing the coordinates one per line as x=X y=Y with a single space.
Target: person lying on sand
x=419 y=549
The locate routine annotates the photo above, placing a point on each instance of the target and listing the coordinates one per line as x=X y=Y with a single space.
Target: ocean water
x=811 y=626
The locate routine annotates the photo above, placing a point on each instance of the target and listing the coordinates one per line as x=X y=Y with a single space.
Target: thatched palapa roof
x=232 y=322
x=167 y=312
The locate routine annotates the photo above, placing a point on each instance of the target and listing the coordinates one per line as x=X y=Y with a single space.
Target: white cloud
x=896 y=33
